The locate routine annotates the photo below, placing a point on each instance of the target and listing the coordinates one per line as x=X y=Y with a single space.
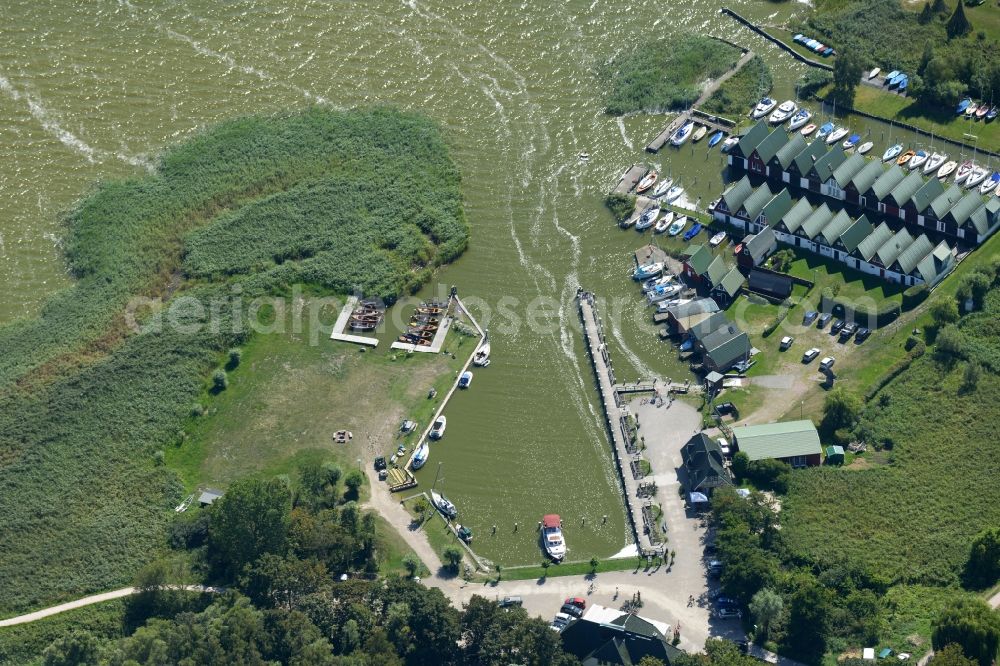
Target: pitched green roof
x=771 y=144
x=867 y=176
x=732 y=282
x=790 y=150
x=794 y=218
x=827 y=164
x=876 y=239
x=894 y=247
x=726 y=346
x=815 y=222
x=887 y=181
x=915 y=253
x=835 y=227
x=748 y=143
x=946 y=200
x=778 y=440
x=755 y=202
x=980 y=221
x=737 y=194
x=965 y=207
x=760 y=244
x=716 y=271
x=776 y=207
x=857 y=232
x=699 y=259
x=930 y=191
x=848 y=168
x=906 y=188
x=936 y=264
x=804 y=160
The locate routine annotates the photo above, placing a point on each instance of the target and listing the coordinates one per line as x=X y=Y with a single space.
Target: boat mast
x=436 y=475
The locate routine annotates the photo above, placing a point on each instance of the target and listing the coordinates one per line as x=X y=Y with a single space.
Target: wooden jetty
x=652 y=254
x=338 y=328
x=714 y=123
x=630 y=178
x=400 y=479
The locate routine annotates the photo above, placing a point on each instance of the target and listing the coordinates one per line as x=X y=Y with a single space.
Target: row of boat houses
x=775 y=217
x=921 y=204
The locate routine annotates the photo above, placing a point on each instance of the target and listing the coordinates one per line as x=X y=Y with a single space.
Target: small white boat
x=442 y=504
x=438 y=427
x=977 y=176
x=934 y=162
x=947 y=168
x=420 y=455
x=699 y=133
x=799 y=119
x=663 y=306
x=836 y=135
x=728 y=144
x=808 y=129
x=552 y=536
x=662 y=187
x=650 y=285
x=682 y=134
x=663 y=223
x=465 y=380
x=647 y=218
x=990 y=183
x=763 y=107
x=646 y=182
x=917 y=160
x=663 y=292
x=892 y=152
x=678 y=225
x=647 y=271
x=865 y=147
x=964 y=171
x=482 y=356
x=872 y=74
x=783 y=112
x=717 y=239
x=673 y=193
x=851 y=142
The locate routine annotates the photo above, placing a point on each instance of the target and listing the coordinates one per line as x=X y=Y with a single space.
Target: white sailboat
x=482 y=356
x=442 y=504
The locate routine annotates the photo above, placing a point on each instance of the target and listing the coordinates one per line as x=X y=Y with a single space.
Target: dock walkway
x=714 y=123
x=435 y=346
x=338 y=328
x=630 y=178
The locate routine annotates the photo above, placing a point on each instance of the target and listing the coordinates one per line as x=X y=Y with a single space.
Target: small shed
x=713 y=382
x=835 y=455
x=770 y=284
x=208 y=496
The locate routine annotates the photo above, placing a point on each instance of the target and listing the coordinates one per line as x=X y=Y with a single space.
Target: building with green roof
x=792 y=220
x=843 y=174
x=830 y=233
x=936 y=265
x=787 y=153
x=886 y=255
x=884 y=184
x=822 y=170
x=795 y=174
x=900 y=195
x=747 y=144
x=868 y=247
x=734 y=196
x=724 y=348
x=921 y=199
x=780 y=204
x=851 y=238
x=940 y=206
x=794 y=442
x=754 y=204
x=862 y=181
x=715 y=272
x=729 y=286
x=757 y=248
x=914 y=253
x=758 y=160
x=814 y=224
x=696 y=261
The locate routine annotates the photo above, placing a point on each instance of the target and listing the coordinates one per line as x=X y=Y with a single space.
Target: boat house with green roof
x=794 y=442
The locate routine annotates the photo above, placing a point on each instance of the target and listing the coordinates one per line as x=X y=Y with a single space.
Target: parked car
x=847 y=332
x=728 y=612
x=786 y=342
x=809 y=317
x=579 y=602
x=725 y=408
x=722 y=600
x=711 y=549
x=693 y=231
x=507 y=602
x=715 y=568
x=824 y=319
x=862 y=335
x=570 y=609
x=827 y=363
x=380 y=463
x=810 y=355
x=837 y=325
x=562 y=619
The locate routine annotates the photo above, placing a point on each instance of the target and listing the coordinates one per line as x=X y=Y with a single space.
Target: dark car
x=711 y=549
x=508 y=602
x=837 y=325
x=725 y=408
x=809 y=317
x=847 y=332
x=570 y=609
x=380 y=463
x=862 y=335
x=824 y=319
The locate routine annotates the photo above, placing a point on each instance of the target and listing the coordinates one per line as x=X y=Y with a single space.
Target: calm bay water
x=92 y=91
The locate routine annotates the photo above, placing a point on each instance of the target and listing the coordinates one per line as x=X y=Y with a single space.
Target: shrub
x=233 y=358
x=220 y=380
x=914 y=296
x=944 y=311
x=621 y=206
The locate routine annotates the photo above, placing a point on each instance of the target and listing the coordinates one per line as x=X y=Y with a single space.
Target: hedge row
x=884 y=315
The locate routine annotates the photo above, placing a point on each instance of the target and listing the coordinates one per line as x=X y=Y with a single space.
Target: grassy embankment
x=366 y=199
x=663 y=74
x=738 y=94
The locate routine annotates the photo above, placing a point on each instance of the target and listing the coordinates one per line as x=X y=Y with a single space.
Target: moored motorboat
x=699 y=133
x=905 y=157
x=438 y=427
x=990 y=183
x=947 y=168
x=646 y=182
x=976 y=176
x=673 y=193
x=851 y=141
x=783 y=112
x=892 y=152
x=963 y=171
x=663 y=292
x=647 y=271
x=728 y=144
x=934 y=162
x=865 y=147
x=552 y=536
x=682 y=134
x=662 y=187
x=716 y=138
x=663 y=223
x=420 y=455
x=678 y=225
x=808 y=129
x=442 y=504
x=647 y=218
x=824 y=130
x=800 y=118
x=482 y=356
x=465 y=379
x=650 y=285
x=763 y=107
x=872 y=74
x=717 y=239
x=917 y=160
x=836 y=135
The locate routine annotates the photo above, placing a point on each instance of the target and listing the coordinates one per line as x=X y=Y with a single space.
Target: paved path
x=93 y=599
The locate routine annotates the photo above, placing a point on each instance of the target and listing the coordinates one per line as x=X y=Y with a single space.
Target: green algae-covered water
x=92 y=91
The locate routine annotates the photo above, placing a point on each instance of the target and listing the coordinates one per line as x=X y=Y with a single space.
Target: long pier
x=616 y=416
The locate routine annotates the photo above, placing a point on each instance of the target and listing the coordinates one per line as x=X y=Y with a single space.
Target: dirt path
x=388 y=507
x=93 y=599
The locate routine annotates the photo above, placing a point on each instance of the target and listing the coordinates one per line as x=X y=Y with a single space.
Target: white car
x=724 y=445
x=810 y=355
x=827 y=363
x=786 y=342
